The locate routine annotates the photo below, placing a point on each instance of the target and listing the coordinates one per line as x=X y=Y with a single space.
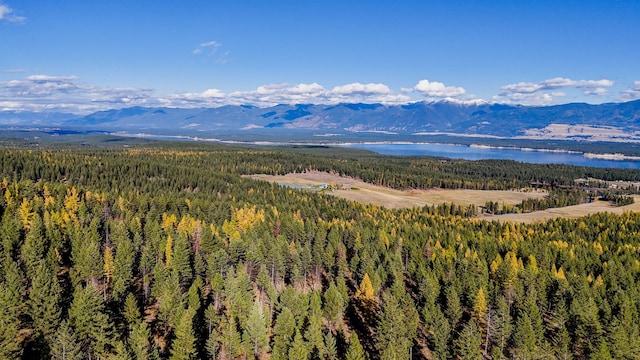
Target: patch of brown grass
x=390 y=198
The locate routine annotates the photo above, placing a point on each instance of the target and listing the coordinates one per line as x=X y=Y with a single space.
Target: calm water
x=480 y=153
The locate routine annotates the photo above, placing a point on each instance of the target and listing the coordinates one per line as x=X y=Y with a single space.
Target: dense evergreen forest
x=166 y=252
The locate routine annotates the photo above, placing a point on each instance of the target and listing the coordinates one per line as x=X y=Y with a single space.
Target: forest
x=164 y=251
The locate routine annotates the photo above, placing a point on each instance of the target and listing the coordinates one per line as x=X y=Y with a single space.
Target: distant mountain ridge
x=578 y=120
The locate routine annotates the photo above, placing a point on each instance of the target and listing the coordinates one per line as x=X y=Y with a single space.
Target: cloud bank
x=547 y=91
x=633 y=92
x=7 y=14
x=69 y=94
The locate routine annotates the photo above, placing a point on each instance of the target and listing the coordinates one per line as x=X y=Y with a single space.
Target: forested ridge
x=166 y=252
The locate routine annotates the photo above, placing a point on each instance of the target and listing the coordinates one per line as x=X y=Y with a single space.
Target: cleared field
x=570 y=212
x=391 y=198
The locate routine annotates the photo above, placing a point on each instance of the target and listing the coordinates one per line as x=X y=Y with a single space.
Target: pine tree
x=524 y=338
x=256 y=330
x=298 y=348
x=122 y=268
x=120 y=351
x=502 y=324
x=468 y=344
x=181 y=261
x=139 y=340
x=454 y=310
x=231 y=343
x=283 y=331
x=394 y=329
x=356 y=351
x=85 y=253
x=439 y=331
x=131 y=311
x=330 y=346
x=10 y=345
x=334 y=307
x=170 y=301
x=183 y=346
x=88 y=316
x=11 y=308
x=313 y=333
x=44 y=301
x=35 y=245
x=65 y=345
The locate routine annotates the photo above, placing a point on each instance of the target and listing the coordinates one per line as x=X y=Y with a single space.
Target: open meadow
x=360 y=191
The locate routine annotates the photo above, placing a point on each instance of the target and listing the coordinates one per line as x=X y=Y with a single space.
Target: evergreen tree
x=439 y=331
x=330 y=346
x=230 y=341
x=35 y=246
x=65 y=345
x=85 y=253
x=183 y=346
x=10 y=345
x=139 y=340
x=256 y=330
x=313 y=333
x=131 y=311
x=334 y=307
x=92 y=325
x=468 y=344
x=524 y=338
x=283 y=331
x=356 y=351
x=502 y=324
x=171 y=301
x=122 y=268
x=454 y=309
x=44 y=300
x=11 y=308
x=395 y=330
x=298 y=348
x=181 y=262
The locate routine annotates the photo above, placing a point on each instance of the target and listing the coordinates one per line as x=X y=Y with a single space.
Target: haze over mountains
x=578 y=121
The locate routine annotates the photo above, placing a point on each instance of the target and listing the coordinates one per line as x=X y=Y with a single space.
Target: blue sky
x=82 y=56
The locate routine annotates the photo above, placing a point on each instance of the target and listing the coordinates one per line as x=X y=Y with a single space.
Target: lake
x=482 y=152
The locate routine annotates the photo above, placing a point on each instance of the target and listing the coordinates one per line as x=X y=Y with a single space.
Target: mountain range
x=578 y=121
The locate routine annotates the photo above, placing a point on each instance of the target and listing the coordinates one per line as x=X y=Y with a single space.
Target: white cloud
x=522 y=87
x=41 y=85
x=212 y=45
x=357 y=88
x=14 y=71
x=633 y=92
x=542 y=93
x=434 y=89
x=584 y=84
x=213 y=93
x=224 y=58
x=210 y=48
x=66 y=93
x=599 y=91
x=7 y=14
x=274 y=94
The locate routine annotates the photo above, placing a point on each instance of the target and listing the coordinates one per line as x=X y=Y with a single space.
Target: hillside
x=604 y=122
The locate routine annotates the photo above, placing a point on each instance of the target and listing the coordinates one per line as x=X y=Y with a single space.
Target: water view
x=482 y=152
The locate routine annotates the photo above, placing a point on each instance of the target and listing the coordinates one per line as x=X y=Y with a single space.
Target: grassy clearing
x=393 y=199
